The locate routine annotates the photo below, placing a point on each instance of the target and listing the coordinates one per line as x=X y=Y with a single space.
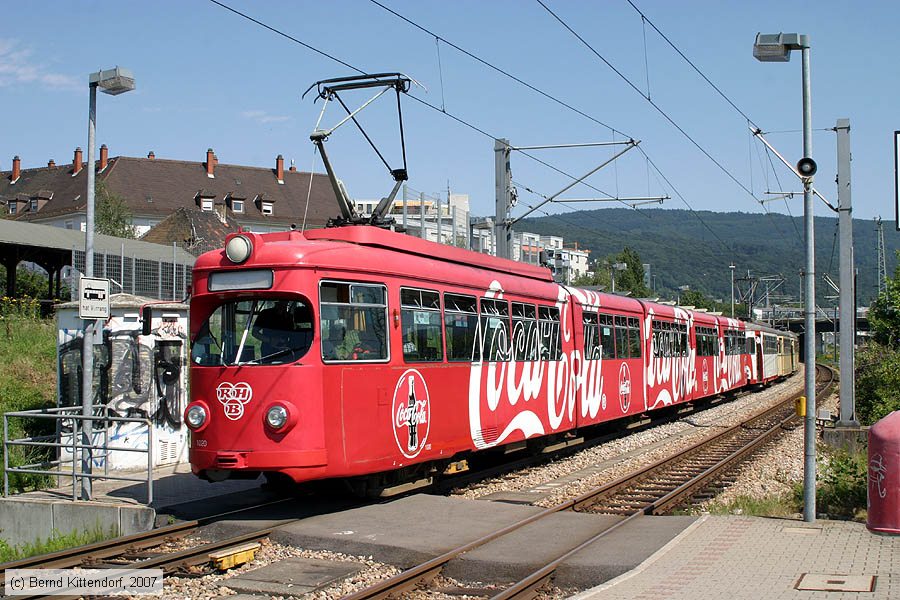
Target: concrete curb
x=25 y=521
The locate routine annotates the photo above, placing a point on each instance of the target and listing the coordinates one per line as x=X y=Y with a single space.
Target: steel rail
x=72 y=557
x=528 y=586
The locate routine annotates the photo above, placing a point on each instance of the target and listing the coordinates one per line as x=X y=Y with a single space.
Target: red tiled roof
x=155 y=188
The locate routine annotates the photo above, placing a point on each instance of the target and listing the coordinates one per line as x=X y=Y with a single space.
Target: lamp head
x=776 y=47
x=113 y=81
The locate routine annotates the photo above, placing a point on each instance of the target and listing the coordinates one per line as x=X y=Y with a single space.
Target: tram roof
x=376 y=237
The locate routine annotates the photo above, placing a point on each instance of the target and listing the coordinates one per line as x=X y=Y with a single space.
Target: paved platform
x=417 y=528
x=121 y=505
x=744 y=558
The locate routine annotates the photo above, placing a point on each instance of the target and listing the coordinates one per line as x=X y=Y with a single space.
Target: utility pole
x=847 y=303
x=880 y=264
x=503 y=183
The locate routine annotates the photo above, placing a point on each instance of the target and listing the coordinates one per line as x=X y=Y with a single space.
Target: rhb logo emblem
x=233 y=397
x=411 y=413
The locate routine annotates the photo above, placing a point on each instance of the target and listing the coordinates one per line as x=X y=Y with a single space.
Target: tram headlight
x=276 y=417
x=238 y=249
x=195 y=416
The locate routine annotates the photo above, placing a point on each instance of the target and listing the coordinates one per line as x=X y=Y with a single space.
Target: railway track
x=655 y=489
x=650 y=491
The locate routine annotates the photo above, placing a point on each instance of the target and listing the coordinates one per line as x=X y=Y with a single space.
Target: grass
x=28 y=355
x=840 y=492
x=773 y=506
x=56 y=541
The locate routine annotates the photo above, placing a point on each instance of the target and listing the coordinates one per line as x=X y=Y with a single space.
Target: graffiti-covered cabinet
x=134 y=376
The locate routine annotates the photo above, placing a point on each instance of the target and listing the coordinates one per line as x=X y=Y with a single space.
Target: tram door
x=759 y=360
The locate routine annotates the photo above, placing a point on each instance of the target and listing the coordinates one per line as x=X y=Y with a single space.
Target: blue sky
x=208 y=78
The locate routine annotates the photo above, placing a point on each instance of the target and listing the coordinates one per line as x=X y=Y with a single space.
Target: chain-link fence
x=151 y=278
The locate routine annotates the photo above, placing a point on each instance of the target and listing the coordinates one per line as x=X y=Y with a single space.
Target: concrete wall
x=29 y=520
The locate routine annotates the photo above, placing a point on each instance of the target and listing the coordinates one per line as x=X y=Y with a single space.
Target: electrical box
x=135 y=375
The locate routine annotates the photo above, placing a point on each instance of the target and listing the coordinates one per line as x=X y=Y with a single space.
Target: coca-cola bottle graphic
x=412 y=419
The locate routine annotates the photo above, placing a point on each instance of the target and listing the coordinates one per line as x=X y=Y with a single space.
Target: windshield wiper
x=250 y=320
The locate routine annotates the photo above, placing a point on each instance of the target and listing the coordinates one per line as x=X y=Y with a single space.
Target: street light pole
x=777 y=48
x=87 y=348
x=114 y=82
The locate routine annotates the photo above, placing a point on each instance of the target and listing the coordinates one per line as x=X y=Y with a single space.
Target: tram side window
x=354 y=321
x=621 y=337
x=592 y=343
x=461 y=326
x=551 y=348
x=634 y=338
x=421 y=323
x=607 y=336
x=494 y=330
x=706 y=341
x=525 y=332
x=751 y=346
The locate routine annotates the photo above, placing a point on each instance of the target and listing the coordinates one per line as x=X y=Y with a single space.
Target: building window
x=34 y=206
x=206 y=204
x=69 y=224
x=268 y=208
x=12 y=208
x=237 y=206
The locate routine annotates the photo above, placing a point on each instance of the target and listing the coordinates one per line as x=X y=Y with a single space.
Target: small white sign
x=897 y=180
x=93 y=298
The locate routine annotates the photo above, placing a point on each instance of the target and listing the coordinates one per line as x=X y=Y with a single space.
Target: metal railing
x=57 y=467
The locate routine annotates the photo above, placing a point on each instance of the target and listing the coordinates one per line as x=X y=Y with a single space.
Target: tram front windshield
x=261 y=331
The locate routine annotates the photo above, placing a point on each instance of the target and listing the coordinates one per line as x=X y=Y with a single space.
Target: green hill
x=695 y=248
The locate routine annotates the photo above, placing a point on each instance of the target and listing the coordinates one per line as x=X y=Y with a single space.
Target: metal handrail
x=73 y=413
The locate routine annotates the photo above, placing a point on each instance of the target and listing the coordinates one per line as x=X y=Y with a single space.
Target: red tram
x=356 y=351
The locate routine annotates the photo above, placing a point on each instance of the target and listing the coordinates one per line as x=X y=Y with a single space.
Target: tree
x=632 y=278
x=884 y=313
x=878 y=363
x=112 y=216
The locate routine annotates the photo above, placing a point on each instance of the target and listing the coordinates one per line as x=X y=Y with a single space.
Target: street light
x=731 y=266
x=616 y=266
x=113 y=82
x=777 y=47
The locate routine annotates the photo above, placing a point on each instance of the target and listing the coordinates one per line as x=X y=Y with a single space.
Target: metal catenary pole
x=847 y=318
x=809 y=431
x=502 y=230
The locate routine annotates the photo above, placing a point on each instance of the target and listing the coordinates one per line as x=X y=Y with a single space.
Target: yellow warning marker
x=800 y=406
x=234 y=556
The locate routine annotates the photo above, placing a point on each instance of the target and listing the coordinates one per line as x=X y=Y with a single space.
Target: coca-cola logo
x=411 y=413
x=233 y=397
x=624 y=387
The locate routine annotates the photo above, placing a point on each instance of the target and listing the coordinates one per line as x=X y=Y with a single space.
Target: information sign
x=93 y=298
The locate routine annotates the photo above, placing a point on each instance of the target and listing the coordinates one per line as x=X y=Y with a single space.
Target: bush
x=28 y=354
x=877 y=382
x=841 y=485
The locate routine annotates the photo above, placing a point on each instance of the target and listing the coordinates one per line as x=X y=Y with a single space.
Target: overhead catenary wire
x=645 y=19
x=498 y=69
x=420 y=100
x=649 y=100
